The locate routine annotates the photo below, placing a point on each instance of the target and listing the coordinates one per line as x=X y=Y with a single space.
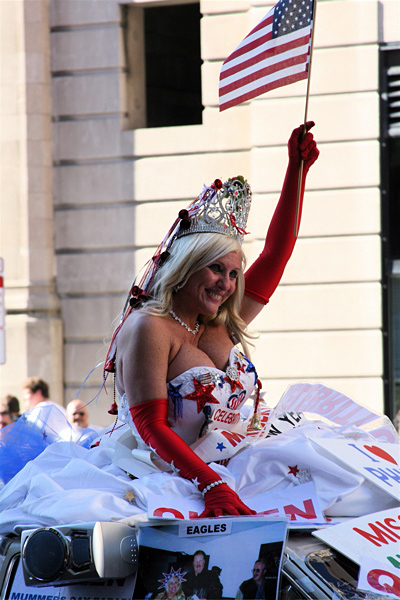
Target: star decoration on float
x=196 y=482
x=293 y=470
x=221 y=447
x=129 y=496
x=202 y=395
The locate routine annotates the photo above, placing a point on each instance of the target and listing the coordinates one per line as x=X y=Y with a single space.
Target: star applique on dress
x=241 y=363
x=202 y=394
x=234 y=383
x=232 y=377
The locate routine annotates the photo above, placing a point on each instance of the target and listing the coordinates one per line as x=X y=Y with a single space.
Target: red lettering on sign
x=380 y=536
x=373 y=580
x=389 y=521
x=161 y=510
x=269 y=512
x=387 y=528
x=307 y=513
x=233 y=438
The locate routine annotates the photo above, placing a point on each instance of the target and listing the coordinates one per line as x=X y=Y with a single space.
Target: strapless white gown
x=68 y=483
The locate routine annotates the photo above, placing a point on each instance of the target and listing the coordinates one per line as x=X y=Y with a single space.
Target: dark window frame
x=389 y=69
x=161 y=65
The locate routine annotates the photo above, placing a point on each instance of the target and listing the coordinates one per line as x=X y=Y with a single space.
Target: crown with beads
x=168 y=576
x=220 y=208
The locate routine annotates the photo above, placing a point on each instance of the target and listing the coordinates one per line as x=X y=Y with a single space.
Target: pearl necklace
x=192 y=331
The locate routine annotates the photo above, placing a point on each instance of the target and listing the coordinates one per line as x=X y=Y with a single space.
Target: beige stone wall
x=33 y=324
x=115 y=191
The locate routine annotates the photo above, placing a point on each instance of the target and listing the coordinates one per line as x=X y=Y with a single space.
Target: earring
x=177 y=287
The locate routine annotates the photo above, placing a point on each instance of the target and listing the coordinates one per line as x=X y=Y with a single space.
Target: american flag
x=275 y=53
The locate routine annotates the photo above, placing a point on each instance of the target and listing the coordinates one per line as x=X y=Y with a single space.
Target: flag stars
x=291 y=22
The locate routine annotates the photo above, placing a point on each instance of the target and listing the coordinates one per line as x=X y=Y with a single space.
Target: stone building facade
x=88 y=190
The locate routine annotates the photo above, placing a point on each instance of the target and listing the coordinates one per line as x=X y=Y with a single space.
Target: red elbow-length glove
x=265 y=273
x=150 y=419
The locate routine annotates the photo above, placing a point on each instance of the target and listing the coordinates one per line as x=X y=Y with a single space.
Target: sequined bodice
x=200 y=391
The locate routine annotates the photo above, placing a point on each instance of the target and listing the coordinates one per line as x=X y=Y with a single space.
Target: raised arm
x=264 y=275
x=144 y=369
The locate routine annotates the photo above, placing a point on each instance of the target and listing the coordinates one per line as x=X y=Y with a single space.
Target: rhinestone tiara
x=220 y=208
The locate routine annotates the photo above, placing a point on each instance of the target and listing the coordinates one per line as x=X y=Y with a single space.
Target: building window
x=390 y=170
x=161 y=84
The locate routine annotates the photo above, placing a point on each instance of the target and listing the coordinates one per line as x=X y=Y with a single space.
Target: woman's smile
x=211 y=286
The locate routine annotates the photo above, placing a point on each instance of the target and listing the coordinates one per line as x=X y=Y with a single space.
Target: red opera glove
x=221 y=500
x=265 y=273
x=150 y=419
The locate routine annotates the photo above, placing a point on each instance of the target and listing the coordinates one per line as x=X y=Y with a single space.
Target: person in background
x=172 y=585
x=48 y=416
x=35 y=393
x=258 y=587
x=200 y=581
x=5 y=417
x=13 y=406
x=78 y=416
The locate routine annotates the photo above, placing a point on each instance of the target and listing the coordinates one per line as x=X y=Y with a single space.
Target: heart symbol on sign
x=381 y=453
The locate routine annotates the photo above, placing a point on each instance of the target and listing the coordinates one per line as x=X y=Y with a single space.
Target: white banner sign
x=299 y=503
x=375 y=536
x=377 y=462
x=109 y=589
x=335 y=406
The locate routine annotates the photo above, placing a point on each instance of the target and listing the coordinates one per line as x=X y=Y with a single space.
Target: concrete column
x=33 y=322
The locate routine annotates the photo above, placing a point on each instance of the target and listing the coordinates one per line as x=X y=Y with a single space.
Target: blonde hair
x=189 y=254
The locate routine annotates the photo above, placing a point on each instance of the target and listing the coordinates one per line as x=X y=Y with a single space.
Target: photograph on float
x=211 y=558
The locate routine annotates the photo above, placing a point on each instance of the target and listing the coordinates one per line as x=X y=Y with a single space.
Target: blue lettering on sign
x=362 y=452
x=385 y=474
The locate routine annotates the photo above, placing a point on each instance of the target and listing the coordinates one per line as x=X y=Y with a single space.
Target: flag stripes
x=268 y=57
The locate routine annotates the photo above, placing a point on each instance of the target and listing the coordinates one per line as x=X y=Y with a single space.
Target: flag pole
x=296 y=223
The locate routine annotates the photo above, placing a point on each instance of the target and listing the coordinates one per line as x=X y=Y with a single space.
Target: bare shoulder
x=143 y=349
x=143 y=329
